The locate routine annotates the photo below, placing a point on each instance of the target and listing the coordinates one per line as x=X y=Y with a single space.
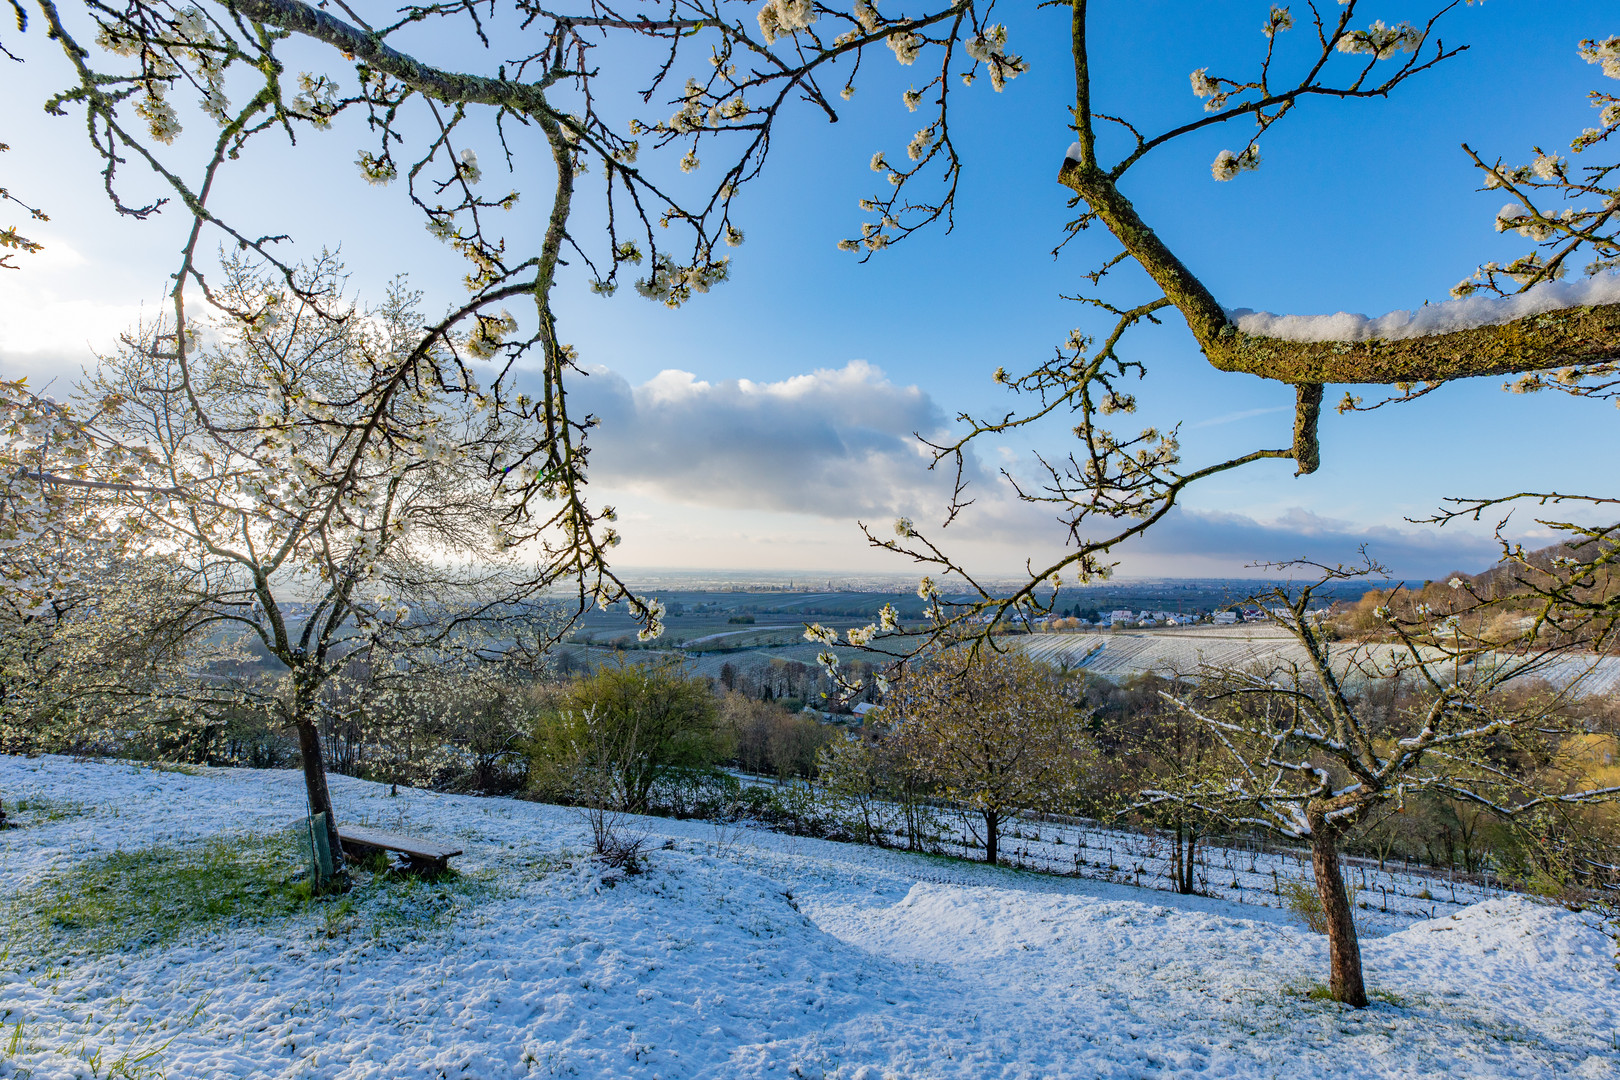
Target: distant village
x=1127 y=619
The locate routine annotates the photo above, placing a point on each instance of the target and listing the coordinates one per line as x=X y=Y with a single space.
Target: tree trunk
x=1186 y=847
x=320 y=799
x=1345 y=981
x=992 y=823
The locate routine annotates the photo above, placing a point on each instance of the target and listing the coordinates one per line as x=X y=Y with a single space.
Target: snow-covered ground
x=1391 y=897
x=750 y=954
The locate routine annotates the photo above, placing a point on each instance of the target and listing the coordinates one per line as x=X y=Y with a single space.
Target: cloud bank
x=838 y=444
x=1203 y=541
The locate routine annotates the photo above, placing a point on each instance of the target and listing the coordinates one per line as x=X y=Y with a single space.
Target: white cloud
x=58 y=308
x=836 y=443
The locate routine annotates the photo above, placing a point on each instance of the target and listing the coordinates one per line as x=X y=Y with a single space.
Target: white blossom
x=1605 y=53
x=441 y=226
x=1278 y=21
x=989 y=47
x=1227 y=164
x=823 y=634
x=889 y=619
x=1380 y=40
x=377 y=171
x=906 y=45
x=779 y=17
x=488 y=333
x=159 y=115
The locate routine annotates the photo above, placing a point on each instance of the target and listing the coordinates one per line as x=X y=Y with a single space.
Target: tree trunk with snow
x=314 y=763
x=992 y=835
x=1344 y=950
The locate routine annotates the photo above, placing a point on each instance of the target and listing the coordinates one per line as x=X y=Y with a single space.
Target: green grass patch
x=1318 y=992
x=39 y=810
x=132 y=899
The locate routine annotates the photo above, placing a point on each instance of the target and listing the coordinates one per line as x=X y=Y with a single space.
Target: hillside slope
x=742 y=954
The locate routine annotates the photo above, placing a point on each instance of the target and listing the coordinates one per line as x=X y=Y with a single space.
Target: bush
x=611 y=737
x=696 y=793
x=1301 y=898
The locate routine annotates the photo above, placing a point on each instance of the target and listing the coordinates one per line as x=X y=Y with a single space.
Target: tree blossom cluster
x=1584 y=224
x=1226 y=97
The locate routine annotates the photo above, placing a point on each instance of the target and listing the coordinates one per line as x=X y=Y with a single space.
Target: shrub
x=695 y=793
x=1301 y=898
x=770 y=740
x=611 y=737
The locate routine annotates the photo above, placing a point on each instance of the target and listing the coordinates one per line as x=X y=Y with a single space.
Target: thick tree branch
x=368 y=46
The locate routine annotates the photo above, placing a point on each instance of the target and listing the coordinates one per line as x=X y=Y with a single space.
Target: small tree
x=1000 y=735
x=1161 y=746
x=1308 y=759
x=853 y=773
x=615 y=734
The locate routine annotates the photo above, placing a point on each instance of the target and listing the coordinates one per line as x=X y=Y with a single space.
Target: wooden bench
x=421 y=855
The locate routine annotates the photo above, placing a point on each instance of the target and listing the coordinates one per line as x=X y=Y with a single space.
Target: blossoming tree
x=95 y=631
x=296 y=441
x=145 y=75
x=336 y=536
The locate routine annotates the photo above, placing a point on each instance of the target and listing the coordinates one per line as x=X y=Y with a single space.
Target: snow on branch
x=1450 y=316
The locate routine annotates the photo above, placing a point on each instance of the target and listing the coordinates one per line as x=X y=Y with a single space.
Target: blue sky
x=753 y=427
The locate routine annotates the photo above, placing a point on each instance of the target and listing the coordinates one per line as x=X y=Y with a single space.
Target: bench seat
x=359 y=841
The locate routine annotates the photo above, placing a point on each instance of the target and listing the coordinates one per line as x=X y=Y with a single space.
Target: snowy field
x=1120 y=654
x=744 y=954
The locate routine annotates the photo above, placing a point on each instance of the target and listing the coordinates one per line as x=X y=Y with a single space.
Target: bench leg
x=425 y=866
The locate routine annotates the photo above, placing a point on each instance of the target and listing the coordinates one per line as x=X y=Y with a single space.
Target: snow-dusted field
x=1120 y=654
x=749 y=954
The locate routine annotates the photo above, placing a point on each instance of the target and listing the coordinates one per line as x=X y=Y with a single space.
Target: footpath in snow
x=742 y=953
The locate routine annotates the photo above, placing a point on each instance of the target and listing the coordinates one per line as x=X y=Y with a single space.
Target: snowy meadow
x=737 y=953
